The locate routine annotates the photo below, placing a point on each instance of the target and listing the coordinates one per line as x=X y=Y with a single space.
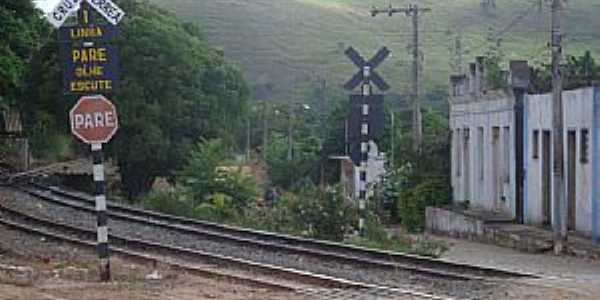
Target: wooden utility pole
x=414 y=12
x=560 y=208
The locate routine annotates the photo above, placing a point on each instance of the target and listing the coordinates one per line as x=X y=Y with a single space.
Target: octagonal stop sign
x=94 y=119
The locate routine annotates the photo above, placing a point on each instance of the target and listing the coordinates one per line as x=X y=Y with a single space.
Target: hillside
x=288 y=43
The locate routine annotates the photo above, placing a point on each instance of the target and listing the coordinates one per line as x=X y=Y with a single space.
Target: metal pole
x=417 y=117
x=459 y=53
x=265 y=131
x=392 y=142
x=248 y=137
x=560 y=208
x=290 y=130
x=101 y=215
x=364 y=150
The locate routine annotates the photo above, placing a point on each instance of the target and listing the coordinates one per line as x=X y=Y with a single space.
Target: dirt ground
x=182 y=288
x=68 y=273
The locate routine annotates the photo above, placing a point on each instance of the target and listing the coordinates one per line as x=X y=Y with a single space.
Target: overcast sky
x=46 y=5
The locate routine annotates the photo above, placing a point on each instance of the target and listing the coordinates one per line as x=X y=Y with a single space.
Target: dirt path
x=562 y=277
x=61 y=272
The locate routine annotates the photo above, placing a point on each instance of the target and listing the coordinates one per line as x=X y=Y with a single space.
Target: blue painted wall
x=525 y=155
x=595 y=164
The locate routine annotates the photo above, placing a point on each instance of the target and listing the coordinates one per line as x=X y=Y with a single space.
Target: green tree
x=21 y=32
x=420 y=179
x=205 y=179
x=334 y=142
x=578 y=71
x=206 y=187
x=175 y=89
x=493 y=60
x=302 y=168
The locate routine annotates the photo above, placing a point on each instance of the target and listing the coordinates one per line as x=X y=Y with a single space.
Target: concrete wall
x=14 y=152
x=350 y=173
x=579 y=108
x=439 y=220
x=494 y=188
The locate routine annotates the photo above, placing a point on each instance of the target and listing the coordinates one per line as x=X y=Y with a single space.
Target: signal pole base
x=104 y=268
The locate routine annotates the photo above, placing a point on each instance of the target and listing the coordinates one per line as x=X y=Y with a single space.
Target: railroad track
x=290 y=244
x=314 y=285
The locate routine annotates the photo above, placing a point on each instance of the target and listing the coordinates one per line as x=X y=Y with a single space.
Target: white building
x=350 y=173
x=502 y=149
x=581 y=150
x=483 y=161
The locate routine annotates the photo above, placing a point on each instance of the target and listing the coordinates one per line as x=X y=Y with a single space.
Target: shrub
x=172 y=202
x=375 y=236
x=323 y=214
x=204 y=182
x=278 y=218
x=218 y=207
x=47 y=142
x=413 y=201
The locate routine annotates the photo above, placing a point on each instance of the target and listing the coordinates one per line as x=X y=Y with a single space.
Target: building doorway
x=571 y=179
x=546 y=178
x=466 y=165
x=496 y=179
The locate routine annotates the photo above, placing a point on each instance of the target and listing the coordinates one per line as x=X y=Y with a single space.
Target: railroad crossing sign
x=90 y=62
x=94 y=119
x=110 y=11
x=90 y=69
x=356 y=118
x=62 y=11
x=375 y=118
x=372 y=64
x=65 y=8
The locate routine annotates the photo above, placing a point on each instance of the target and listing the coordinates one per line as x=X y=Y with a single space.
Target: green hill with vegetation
x=290 y=43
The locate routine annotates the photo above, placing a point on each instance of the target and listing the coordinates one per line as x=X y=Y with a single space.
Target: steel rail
x=409 y=262
x=271 y=270
x=143 y=257
x=268 y=245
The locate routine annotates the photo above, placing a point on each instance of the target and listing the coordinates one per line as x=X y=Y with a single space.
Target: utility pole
x=458 y=51
x=248 y=138
x=290 y=130
x=323 y=132
x=414 y=12
x=265 y=130
x=393 y=140
x=560 y=208
x=322 y=101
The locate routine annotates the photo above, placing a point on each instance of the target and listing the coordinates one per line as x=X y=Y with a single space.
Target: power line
x=414 y=12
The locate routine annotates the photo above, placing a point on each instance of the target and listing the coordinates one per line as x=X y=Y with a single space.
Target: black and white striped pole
x=364 y=149
x=94 y=121
x=101 y=215
x=366 y=118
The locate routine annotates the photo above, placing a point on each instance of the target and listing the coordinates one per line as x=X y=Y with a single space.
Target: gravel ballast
x=401 y=279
